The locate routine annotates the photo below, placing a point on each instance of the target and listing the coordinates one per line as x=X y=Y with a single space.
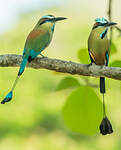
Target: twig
x=110 y=19
x=118 y=29
x=110 y=10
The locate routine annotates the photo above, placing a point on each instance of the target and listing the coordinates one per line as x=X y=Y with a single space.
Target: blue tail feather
x=22 y=67
x=7 y=98
x=25 y=59
x=33 y=54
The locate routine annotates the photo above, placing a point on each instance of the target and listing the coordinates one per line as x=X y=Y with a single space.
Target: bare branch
x=110 y=10
x=110 y=19
x=63 y=66
x=118 y=29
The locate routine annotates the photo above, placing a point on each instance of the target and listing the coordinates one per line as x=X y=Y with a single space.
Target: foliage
x=113 y=49
x=116 y=63
x=83 y=111
x=67 y=82
x=83 y=56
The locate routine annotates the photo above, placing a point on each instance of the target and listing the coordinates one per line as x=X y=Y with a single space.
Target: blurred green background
x=34 y=120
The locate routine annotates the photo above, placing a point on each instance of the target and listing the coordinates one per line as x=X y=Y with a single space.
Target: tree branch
x=63 y=66
x=118 y=29
x=110 y=10
x=110 y=19
x=67 y=66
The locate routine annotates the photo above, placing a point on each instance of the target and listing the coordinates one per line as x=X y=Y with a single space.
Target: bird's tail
x=102 y=90
x=21 y=70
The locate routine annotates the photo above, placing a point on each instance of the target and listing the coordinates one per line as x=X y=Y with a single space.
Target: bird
x=38 y=39
x=99 y=48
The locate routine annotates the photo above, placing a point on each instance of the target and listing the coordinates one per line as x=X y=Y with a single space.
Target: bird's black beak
x=59 y=19
x=111 y=24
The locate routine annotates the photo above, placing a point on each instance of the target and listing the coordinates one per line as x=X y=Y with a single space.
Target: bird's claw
x=101 y=67
x=90 y=64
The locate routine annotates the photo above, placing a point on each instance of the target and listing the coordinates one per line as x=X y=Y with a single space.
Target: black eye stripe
x=100 y=24
x=103 y=24
x=46 y=19
x=95 y=27
x=42 y=22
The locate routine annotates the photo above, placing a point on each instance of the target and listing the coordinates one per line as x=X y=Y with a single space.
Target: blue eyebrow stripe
x=101 y=20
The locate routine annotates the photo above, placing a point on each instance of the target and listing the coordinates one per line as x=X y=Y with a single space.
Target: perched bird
x=99 y=48
x=38 y=39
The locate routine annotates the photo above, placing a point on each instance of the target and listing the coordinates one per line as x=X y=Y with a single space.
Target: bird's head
x=48 y=21
x=102 y=22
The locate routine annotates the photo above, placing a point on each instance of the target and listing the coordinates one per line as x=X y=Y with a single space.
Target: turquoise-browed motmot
x=99 y=50
x=38 y=39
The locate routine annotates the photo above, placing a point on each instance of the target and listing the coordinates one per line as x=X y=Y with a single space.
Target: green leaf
x=84 y=56
x=83 y=111
x=116 y=63
x=68 y=82
x=113 y=49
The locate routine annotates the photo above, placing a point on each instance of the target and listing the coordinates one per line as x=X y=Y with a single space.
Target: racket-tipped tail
x=7 y=98
x=10 y=94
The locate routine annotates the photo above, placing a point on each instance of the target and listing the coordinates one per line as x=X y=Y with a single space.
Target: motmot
x=38 y=39
x=99 y=50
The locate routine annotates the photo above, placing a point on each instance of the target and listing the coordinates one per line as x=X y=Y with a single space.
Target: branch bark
x=63 y=66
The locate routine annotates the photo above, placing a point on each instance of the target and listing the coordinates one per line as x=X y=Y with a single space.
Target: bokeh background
x=33 y=120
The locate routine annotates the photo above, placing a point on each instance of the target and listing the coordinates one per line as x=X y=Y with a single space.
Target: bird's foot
x=90 y=64
x=101 y=67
